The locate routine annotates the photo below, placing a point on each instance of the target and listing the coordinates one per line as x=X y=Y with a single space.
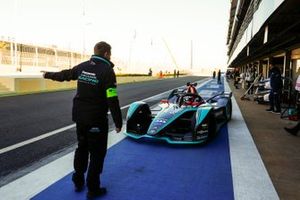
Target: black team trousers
x=274 y=98
x=90 y=153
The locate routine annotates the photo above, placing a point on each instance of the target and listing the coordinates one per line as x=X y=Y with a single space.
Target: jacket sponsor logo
x=88 y=77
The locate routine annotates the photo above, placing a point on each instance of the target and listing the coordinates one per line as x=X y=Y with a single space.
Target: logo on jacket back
x=88 y=77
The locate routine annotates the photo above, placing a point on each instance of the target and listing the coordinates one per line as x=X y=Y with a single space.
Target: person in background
x=228 y=75
x=177 y=74
x=219 y=76
x=150 y=72
x=249 y=79
x=294 y=130
x=236 y=77
x=214 y=74
x=242 y=80
x=276 y=87
x=160 y=74
x=96 y=92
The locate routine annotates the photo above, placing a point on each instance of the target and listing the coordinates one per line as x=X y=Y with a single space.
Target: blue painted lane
x=156 y=170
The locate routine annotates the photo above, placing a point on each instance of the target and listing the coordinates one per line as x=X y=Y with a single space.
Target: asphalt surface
x=28 y=116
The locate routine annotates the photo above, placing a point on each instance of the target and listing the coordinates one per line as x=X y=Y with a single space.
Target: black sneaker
x=269 y=110
x=79 y=188
x=78 y=181
x=276 y=112
x=292 y=131
x=96 y=193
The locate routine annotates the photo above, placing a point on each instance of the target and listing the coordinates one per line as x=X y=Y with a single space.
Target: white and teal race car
x=183 y=118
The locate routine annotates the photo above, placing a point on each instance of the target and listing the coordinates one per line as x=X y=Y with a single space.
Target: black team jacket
x=96 y=91
x=275 y=79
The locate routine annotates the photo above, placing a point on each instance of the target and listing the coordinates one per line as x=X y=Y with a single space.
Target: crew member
x=96 y=92
x=219 y=76
x=276 y=88
x=214 y=74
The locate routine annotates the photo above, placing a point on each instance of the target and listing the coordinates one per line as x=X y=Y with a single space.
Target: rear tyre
x=229 y=110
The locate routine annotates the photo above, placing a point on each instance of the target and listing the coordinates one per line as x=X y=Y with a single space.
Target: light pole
x=21 y=54
x=130 y=51
x=83 y=31
x=16 y=2
x=85 y=24
x=70 y=55
x=191 y=54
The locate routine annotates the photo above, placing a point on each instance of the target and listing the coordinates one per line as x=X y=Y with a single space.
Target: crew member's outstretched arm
x=64 y=75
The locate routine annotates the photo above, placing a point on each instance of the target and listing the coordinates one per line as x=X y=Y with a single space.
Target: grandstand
x=33 y=58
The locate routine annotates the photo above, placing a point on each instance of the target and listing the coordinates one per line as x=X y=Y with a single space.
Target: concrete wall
x=129 y=79
x=33 y=84
x=25 y=85
x=9 y=83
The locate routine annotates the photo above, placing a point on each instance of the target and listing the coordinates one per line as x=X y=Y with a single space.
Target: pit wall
x=21 y=85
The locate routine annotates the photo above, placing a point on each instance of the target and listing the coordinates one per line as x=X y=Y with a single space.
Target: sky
x=142 y=33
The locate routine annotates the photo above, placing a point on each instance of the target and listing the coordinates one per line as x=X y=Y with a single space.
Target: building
x=261 y=31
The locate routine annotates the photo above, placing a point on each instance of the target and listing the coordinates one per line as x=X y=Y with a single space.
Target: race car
x=183 y=118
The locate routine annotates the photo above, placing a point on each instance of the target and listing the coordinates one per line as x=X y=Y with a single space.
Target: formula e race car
x=183 y=118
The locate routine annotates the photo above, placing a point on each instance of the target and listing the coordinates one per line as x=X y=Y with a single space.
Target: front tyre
x=212 y=127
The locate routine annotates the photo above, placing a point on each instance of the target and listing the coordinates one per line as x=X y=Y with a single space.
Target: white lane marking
x=249 y=175
x=45 y=135
x=31 y=184
x=12 y=147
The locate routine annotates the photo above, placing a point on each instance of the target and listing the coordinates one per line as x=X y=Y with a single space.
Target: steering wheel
x=190 y=99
